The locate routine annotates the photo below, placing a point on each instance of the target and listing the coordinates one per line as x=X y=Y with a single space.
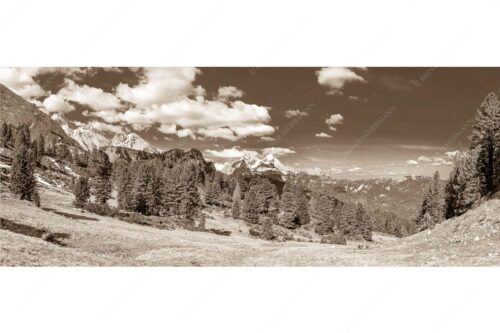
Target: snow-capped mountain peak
x=252 y=163
x=89 y=137
x=132 y=141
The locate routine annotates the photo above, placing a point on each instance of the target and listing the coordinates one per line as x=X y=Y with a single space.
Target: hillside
x=89 y=239
x=17 y=111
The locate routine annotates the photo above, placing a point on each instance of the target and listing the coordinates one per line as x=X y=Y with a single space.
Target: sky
x=347 y=122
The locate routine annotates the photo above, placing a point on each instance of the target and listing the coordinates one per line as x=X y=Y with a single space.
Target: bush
x=334 y=239
x=101 y=209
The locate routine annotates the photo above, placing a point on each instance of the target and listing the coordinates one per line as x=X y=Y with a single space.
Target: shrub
x=101 y=209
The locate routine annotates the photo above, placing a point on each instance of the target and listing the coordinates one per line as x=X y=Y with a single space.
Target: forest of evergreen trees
x=475 y=174
x=181 y=183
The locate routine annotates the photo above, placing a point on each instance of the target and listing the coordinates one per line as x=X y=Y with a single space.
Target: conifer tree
x=125 y=189
x=81 y=191
x=324 y=213
x=463 y=188
x=363 y=222
x=22 y=179
x=486 y=141
x=140 y=189
x=154 y=198
x=4 y=135
x=40 y=146
x=250 y=210
x=189 y=203
x=433 y=204
x=100 y=169
x=236 y=202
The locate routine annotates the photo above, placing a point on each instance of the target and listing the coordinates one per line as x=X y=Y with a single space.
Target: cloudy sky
x=348 y=122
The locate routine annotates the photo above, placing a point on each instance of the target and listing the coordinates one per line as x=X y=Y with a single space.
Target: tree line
x=475 y=174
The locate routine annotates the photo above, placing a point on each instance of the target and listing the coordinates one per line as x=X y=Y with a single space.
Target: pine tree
x=250 y=210
x=324 y=213
x=4 y=135
x=125 y=189
x=463 y=188
x=189 y=203
x=100 y=169
x=154 y=198
x=236 y=202
x=486 y=141
x=302 y=206
x=22 y=179
x=289 y=217
x=140 y=189
x=41 y=146
x=267 y=196
x=81 y=191
x=363 y=222
x=433 y=203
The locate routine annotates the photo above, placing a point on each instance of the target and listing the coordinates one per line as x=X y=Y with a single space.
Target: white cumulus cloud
x=55 y=103
x=336 y=78
x=93 y=97
x=295 y=113
x=20 y=81
x=213 y=119
x=231 y=153
x=411 y=162
x=161 y=85
x=334 y=119
x=278 y=151
x=322 y=135
x=229 y=92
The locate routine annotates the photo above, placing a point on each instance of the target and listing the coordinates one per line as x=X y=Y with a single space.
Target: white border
x=257 y=33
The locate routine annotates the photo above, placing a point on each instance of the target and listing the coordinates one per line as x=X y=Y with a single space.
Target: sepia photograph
x=264 y=166
x=292 y=166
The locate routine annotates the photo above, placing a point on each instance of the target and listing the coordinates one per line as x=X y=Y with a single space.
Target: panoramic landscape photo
x=264 y=166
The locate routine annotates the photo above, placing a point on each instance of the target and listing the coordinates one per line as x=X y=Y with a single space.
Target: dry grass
x=103 y=241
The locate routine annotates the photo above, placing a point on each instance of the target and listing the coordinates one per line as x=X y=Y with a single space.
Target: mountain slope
x=17 y=111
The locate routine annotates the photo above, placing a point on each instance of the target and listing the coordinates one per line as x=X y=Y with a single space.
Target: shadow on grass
x=30 y=231
x=69 y=215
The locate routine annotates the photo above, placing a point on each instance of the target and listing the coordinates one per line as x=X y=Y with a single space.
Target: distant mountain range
x=269 y=166
x=90 y=137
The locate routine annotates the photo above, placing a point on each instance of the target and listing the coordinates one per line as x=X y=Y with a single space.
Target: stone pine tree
x=324 y=211
x=363 y=222
x=125 y=189
x=154 y=198
x=433 y=203
x=463 y=188
x=81 y=191
x=302 y=205
x=6 y=135
x=251 y=208
x=140 y=189
x=236 y=202
x=189 y=203
x=22 y=178
x=486 y=141
x=4 y=130
x=288 y=218
x=294 y=206
x=100 y=169
x=41 y=145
